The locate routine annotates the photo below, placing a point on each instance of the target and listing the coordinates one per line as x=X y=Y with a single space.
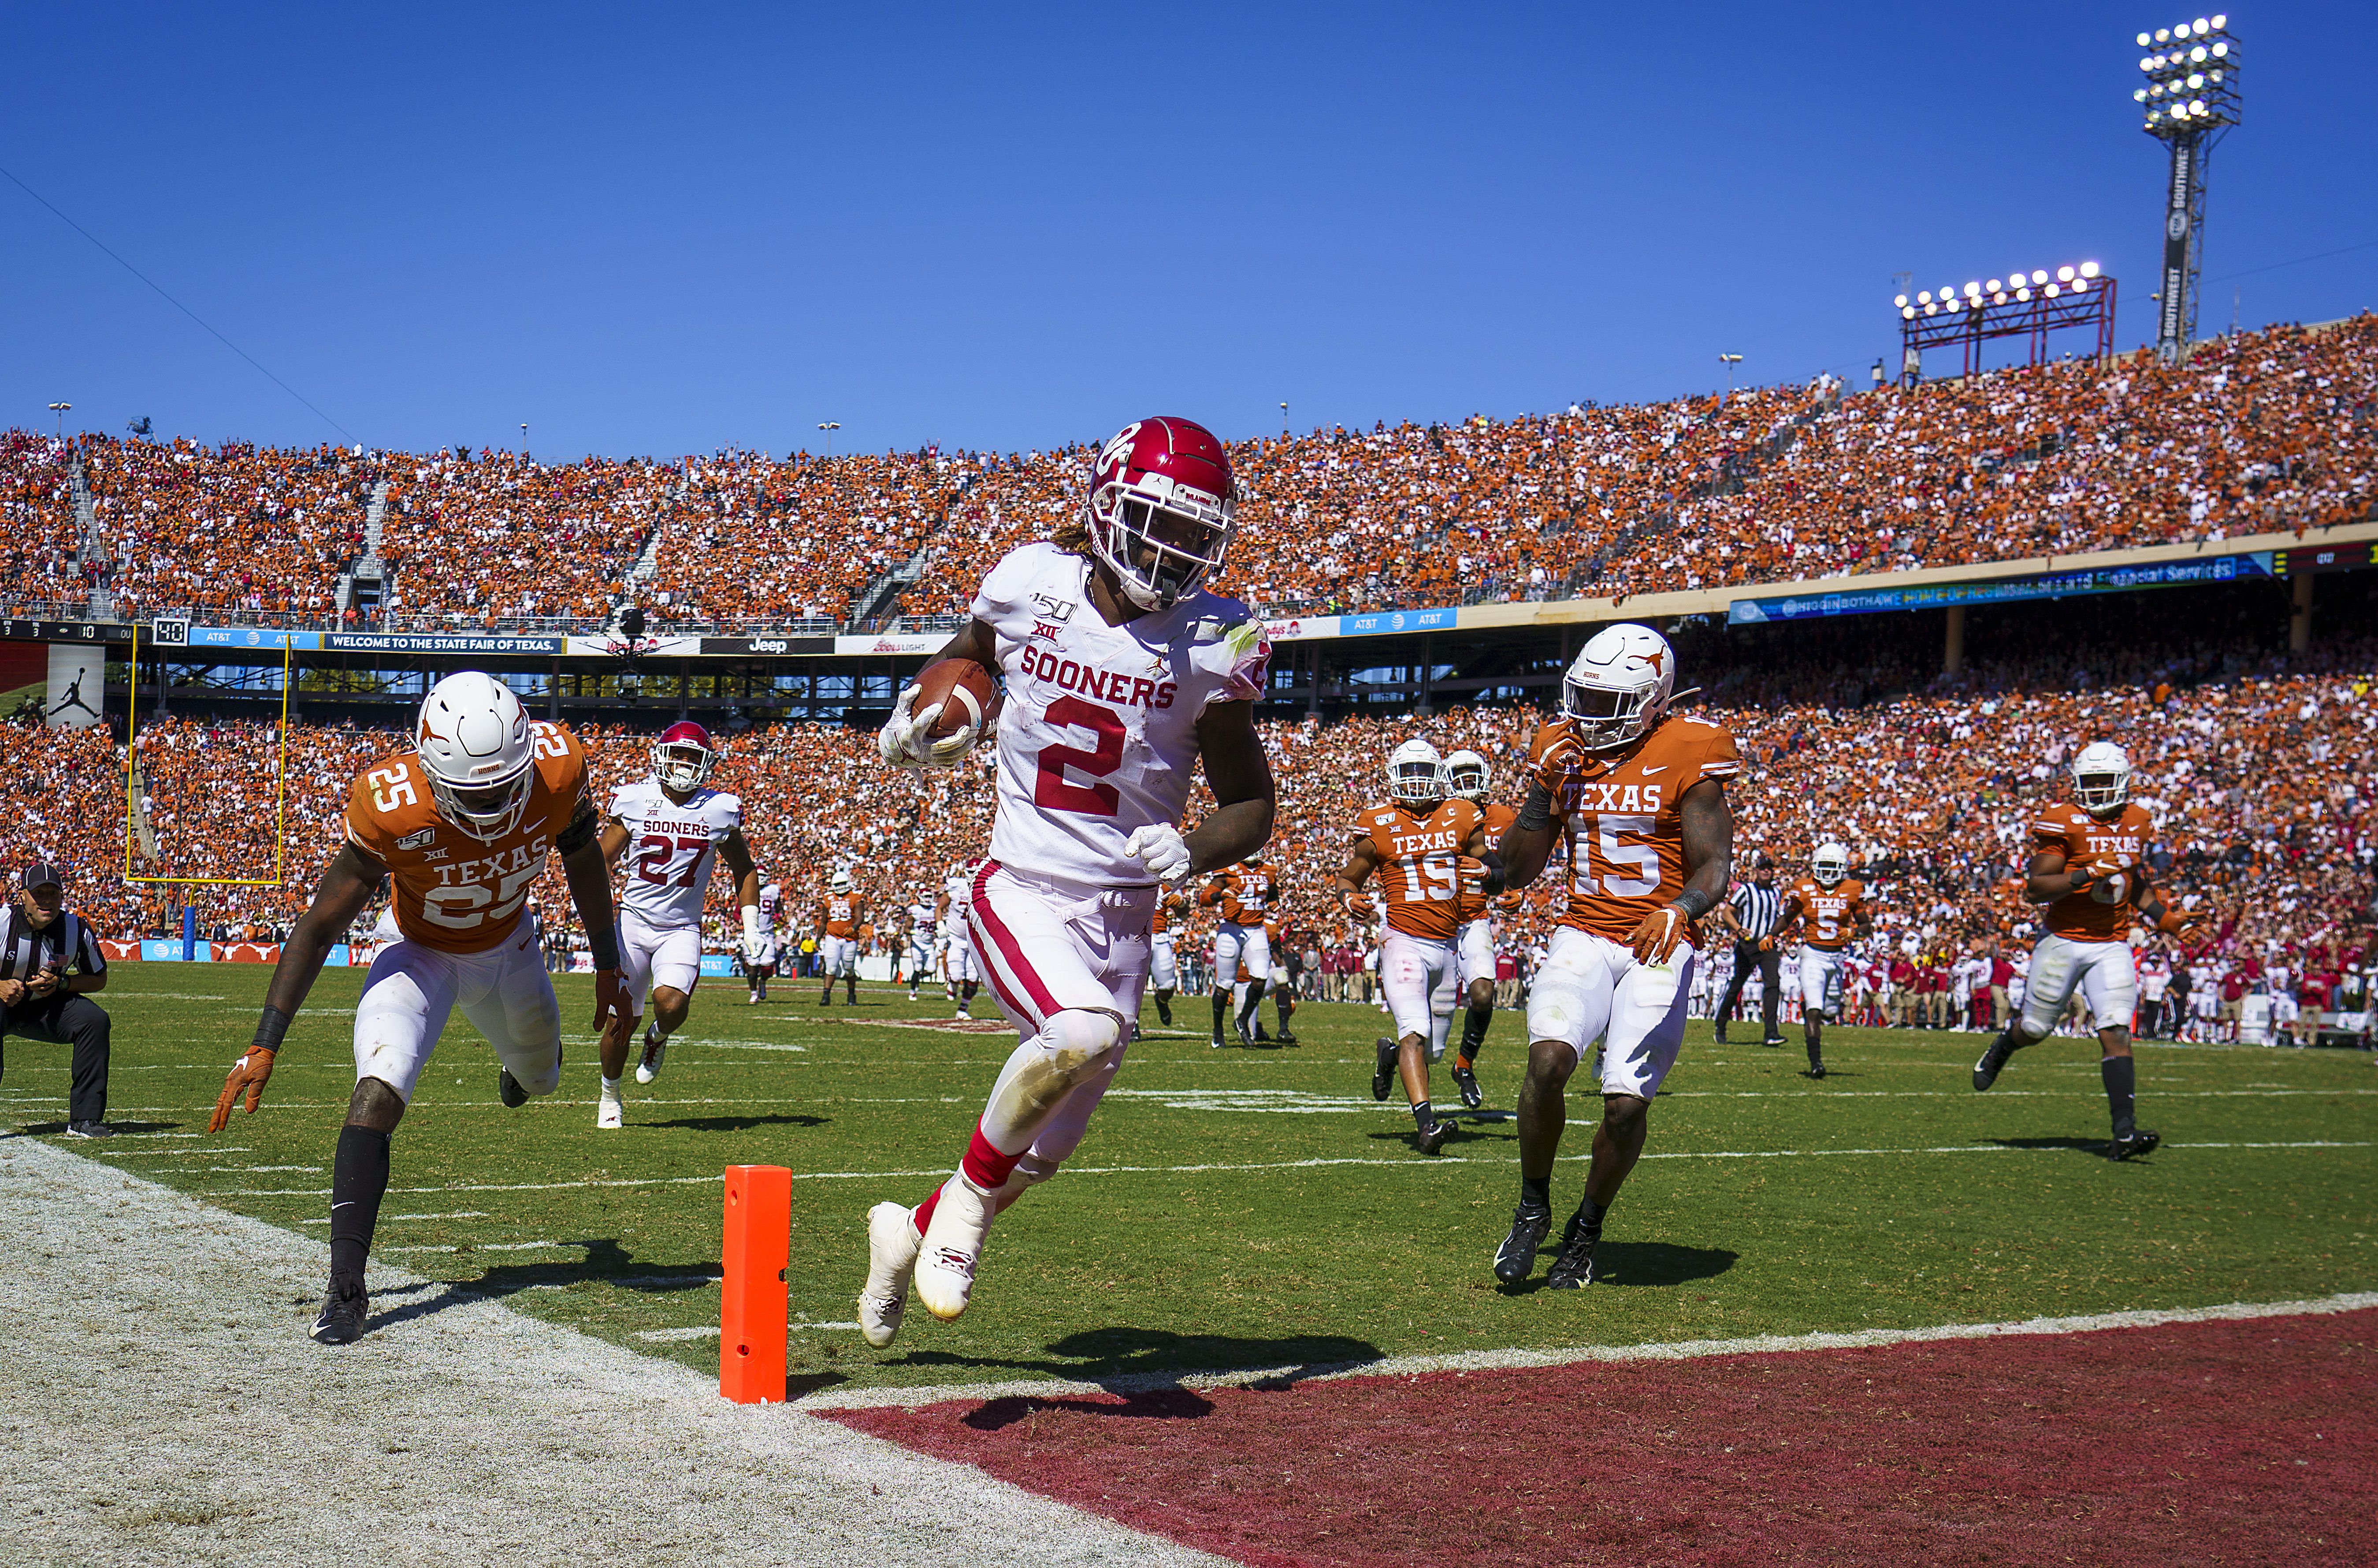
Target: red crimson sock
x=984 y=1164
x=922 y=1214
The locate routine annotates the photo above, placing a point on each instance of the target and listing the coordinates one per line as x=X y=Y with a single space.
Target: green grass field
x=1236 y=1208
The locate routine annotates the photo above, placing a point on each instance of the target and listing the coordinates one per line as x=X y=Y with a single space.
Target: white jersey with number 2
x=670 y=850
x=1099 y=736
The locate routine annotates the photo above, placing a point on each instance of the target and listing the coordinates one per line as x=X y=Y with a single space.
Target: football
x=963 y=687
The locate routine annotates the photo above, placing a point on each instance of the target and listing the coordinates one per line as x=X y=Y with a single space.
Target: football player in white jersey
x=959 y=972
x=1123 y=674
x=759 y=963
x=920 y=942
x=673 y=828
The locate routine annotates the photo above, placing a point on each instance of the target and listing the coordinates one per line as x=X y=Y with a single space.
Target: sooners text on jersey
x=671 y=849
x=449 y=891
x=1626 y=837
x=2084 y=840
x=1099 y=736
x=1419 y=863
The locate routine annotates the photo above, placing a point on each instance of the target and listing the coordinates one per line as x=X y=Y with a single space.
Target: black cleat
x=1516 y=1257
x=1778 y=1040
x=1432 y=1136
x=1466 y=1079
x=343 y=1311
x=1217 y=1041
x=1993 y=1062
x=1384 y=1073
x=1163 y=1011
x=1573 y=1270
x=509 y=1090
x=1816 y=1070
x=2140 y=1142
x=1721 y=1034
x=1285 y=1040
x=88 y=1128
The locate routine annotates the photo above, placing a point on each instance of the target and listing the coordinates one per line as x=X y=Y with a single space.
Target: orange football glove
x=1357 y=902
x=1509 y=899
x=249 y=1072
x=1554 y=755
x=1662 y=929
x=1767 y=944
x=610 y=1000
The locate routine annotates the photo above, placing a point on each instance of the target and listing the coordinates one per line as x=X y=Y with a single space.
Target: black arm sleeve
x=584 y=824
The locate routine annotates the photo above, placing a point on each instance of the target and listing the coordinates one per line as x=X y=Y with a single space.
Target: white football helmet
x=840 y=880
x=1830 y=864
x=2101 y=778
x=683 y=758
x=1467 y=775
x=1617 y=687
x=1415 y=774
x=477 y=746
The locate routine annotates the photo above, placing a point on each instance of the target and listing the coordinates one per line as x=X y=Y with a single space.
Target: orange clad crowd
x=2258 y=432
x=2259 y=770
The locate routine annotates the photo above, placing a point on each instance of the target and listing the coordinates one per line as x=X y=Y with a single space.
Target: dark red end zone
x=2219 y=1442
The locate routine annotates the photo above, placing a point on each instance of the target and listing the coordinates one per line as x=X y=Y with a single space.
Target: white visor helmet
x=2101 y=778
x=1415 y=774
x=476 y=745
x=1830 y=864
x=1617 y=687
x=840 y=880
x=1467 y=775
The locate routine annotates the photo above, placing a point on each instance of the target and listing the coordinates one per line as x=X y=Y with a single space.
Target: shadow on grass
x=605 y=1260
x=1157 y=1404
x=1637 y=1263
x=740 y=1123
x=1134 y=1361
x=53 y=1129
x=2080 y=1145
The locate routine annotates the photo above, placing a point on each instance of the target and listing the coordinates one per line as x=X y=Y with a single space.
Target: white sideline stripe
x=675 y=1334
x=1499 y=1360
x=391 y=1219
x=1408 y=1163
x=489 y=1247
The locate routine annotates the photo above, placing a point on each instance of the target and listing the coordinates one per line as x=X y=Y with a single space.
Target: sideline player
x=1123 y=677
x=463 y=824
x=2087 y=860
x=1635 y=799
x=1468 y=777
x=839 y=915
x=959 y=971
x=1163 y=973
x=759 y=964
x=675 y=828
x=1833 y=903
x=920 y=940
x=1416 y=842
x=1243 y=892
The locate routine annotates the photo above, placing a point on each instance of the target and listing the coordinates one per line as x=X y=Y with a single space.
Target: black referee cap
x=41 y=874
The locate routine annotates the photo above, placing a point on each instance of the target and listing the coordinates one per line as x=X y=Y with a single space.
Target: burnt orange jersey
x=1472 y=905
x=449 y=891
x=1419 y=872
x=1626 y=839
x=841 y=915
x=2119 y=844
x=1829 y=911
x=1161 y=923
x=1245 y=891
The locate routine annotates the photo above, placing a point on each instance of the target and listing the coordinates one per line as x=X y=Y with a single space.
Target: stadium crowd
x=2259 y=432
x=2258 y=767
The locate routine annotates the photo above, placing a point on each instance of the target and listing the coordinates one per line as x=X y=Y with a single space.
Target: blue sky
x=666 y=230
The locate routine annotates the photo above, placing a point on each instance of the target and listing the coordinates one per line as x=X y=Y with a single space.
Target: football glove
x=1163 y=850
x=755 y=936
x=249 y=1073
x=905 y=740
x=1657 y=937
x=610 y=1000
x=1558 y=755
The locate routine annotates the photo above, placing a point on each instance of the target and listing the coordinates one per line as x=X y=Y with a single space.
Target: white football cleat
x=953 y=1244
x=648 y=1066
x=607 y=1109
x=891 y=1247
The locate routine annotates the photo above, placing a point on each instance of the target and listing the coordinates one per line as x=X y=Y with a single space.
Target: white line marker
x=391 y=1219
x=675 y=1334
x=1497 y=1360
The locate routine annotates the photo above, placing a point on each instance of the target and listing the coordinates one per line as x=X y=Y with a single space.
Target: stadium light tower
x=2189 y=97
x=1729 y=360
x=60 y=410
x=829 y=427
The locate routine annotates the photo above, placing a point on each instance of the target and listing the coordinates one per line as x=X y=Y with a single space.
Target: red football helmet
x=683 y=758
x=1161 y=506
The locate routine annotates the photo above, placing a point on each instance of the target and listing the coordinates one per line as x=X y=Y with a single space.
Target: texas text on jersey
x=671 y=848
x=451 y=891
x=2105 y=846
x=1098 y=735
x=1245 y=891
x=1831 y=912
x=841 y=915
x=1419 y=863
x=1626 y=837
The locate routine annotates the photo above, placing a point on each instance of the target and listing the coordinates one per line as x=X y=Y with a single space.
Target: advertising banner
x=168 y=949
x=1380 y=622
x=432 y=643
x=1298 y=629
x=762 y=647
x=602 y=645
x=251 y=636
x=716 y=966
x=66 y=631
x=78 y=686
x=906 y=644
x=2043 y=585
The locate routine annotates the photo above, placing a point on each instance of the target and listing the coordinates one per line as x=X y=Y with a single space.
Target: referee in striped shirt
x=1752 y=915
x=50 y=962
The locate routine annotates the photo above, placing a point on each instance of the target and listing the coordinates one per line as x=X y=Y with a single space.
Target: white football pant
x=1416 y=976
x=2106 y=972
x=650 y=956
x=1821 y=979
x=1591 y=987
x=504 y=992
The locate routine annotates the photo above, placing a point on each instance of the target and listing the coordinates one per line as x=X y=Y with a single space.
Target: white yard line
x=1492 y=1361
x=164 y=1405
